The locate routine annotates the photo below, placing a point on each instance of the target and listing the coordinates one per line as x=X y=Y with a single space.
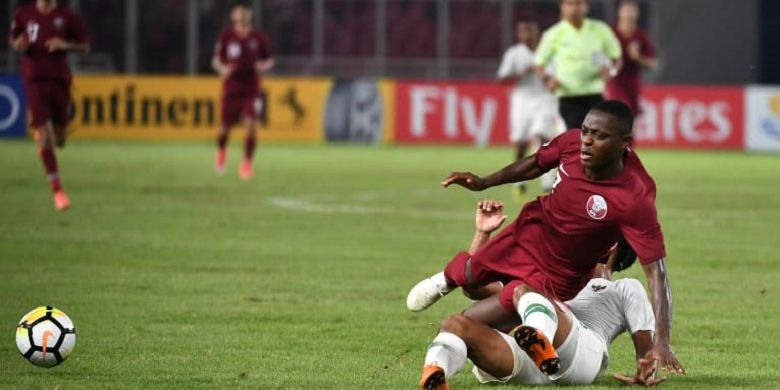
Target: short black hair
x=241 y=3
x=620 y=111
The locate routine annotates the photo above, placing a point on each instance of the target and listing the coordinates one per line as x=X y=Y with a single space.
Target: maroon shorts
x=251 y=105
x=48 y=101
x=488 y=265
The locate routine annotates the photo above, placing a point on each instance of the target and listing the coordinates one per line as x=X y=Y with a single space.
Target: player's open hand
x=466 y=180
x=645 y=376
x=490 y=216
x=224 y=71
x=552 y=84
x=55 y=44
x=667 y=359
x=20 y=43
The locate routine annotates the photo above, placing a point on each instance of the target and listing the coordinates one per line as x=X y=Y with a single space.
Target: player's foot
x=538 y=348
x=427 y=292
x=219 y=162
x=246 y=170
x=61 y=201
x=433 y=378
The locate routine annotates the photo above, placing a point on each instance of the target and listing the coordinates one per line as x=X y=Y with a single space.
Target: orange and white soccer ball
x=45 y=336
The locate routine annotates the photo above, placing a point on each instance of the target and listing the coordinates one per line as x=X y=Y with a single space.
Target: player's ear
x=625 y=142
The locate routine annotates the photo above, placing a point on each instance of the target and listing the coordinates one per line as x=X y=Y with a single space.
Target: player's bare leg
x=60 y=135
x=46 y=142
x=250 y=142
x=490 y=312
x=221 y=158
x=540 y=324
x=462 y=338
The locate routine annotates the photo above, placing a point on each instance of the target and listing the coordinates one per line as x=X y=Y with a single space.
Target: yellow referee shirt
x=576 y=55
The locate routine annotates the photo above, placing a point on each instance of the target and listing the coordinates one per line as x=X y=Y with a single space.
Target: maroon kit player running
x=241 y=55
x=602 y=193
x=44 y=32
x=638 y=53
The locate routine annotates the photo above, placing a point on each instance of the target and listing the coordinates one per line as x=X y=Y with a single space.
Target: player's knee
x=519 y=291
x=457 y=324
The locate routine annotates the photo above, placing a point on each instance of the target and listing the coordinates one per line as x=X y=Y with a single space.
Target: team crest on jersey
x=58 y=23
x=234 y=50
x=596 y=207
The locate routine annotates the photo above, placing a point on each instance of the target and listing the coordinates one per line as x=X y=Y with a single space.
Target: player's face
x=574 y=9
x=601 y=142
x=241 y=15
x=527 y=33
x=628 y=12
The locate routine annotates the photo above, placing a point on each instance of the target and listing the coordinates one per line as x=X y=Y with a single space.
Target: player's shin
x=49 y=161
x=538 y=312
x=448 y=352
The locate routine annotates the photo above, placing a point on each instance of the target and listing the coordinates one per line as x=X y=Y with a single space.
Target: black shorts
x=573 y=109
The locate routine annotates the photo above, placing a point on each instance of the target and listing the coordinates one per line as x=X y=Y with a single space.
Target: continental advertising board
x=148 y=107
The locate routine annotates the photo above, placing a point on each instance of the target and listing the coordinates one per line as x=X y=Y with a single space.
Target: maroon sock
x=50 y=164
x=222 y=141
x=455 y=271
x=249 y=148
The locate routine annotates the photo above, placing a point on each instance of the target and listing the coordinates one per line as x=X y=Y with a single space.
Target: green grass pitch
x=177 y=278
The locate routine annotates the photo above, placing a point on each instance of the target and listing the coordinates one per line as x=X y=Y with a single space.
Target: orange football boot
x=219 y=162
x=61 y=201
x=538 y=348
x=246 y=170
x=433 y=378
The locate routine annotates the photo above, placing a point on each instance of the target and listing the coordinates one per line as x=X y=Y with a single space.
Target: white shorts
x=583 y=358
x=532 y=116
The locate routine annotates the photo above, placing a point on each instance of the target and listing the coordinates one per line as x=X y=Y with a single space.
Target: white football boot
x=427 y=292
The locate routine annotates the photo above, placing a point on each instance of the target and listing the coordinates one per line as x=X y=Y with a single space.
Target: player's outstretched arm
x=662 y=308
x=521 y=170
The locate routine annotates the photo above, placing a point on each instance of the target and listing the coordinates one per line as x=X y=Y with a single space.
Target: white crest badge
x=596 y=207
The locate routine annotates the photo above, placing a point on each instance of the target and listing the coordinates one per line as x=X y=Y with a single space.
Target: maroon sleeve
x=648 y=49
x=265 y=47
x=16 y=26
x=550 y=154
x=76 y=30
x=643 y=232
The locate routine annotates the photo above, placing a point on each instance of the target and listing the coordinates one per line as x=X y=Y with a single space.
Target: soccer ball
x=45 y=336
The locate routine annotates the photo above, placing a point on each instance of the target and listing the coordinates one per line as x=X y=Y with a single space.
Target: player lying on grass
x=602 y=194
x=600 y=312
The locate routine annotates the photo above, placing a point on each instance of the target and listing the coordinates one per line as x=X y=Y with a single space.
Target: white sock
x=538 y=312
x=447 y=351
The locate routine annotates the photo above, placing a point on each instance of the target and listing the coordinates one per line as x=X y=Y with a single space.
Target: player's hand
x=466 y=180
x=225 y=71
x=55 y=44
x=606 y=72
x=645 y=376
x=634 y=51
x=489 y=216
x=20 y=43
x=667 y=359
x=552 y=84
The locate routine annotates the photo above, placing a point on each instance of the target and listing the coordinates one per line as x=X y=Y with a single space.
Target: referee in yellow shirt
x=576 y=57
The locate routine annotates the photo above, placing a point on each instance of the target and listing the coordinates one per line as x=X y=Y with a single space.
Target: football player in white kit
x=603 y=310
x=533 y=115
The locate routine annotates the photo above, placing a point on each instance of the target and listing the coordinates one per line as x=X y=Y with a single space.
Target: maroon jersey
x=568 y=231
x=627 y=84
x=242 y=53
x=38 y=64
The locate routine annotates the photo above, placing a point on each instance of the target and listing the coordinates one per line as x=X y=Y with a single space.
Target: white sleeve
x=506 y=69
x=636 y=306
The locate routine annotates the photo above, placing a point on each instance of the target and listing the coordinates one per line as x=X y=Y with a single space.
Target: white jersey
x=533 y=108
x=611 y=307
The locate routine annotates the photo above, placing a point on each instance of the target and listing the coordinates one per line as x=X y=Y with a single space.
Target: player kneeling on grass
x=241 y=56
x=599 y=313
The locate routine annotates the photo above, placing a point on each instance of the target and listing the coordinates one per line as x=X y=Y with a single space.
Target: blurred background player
x=241 y=55
x=533 y=109
x=44 y=32
x=638 y=53
x=585 y=54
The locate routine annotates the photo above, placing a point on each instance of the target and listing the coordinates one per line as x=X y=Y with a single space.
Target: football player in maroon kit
x=638 y=53
x=602 y=193
x=44 y=32
x=241 y=55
